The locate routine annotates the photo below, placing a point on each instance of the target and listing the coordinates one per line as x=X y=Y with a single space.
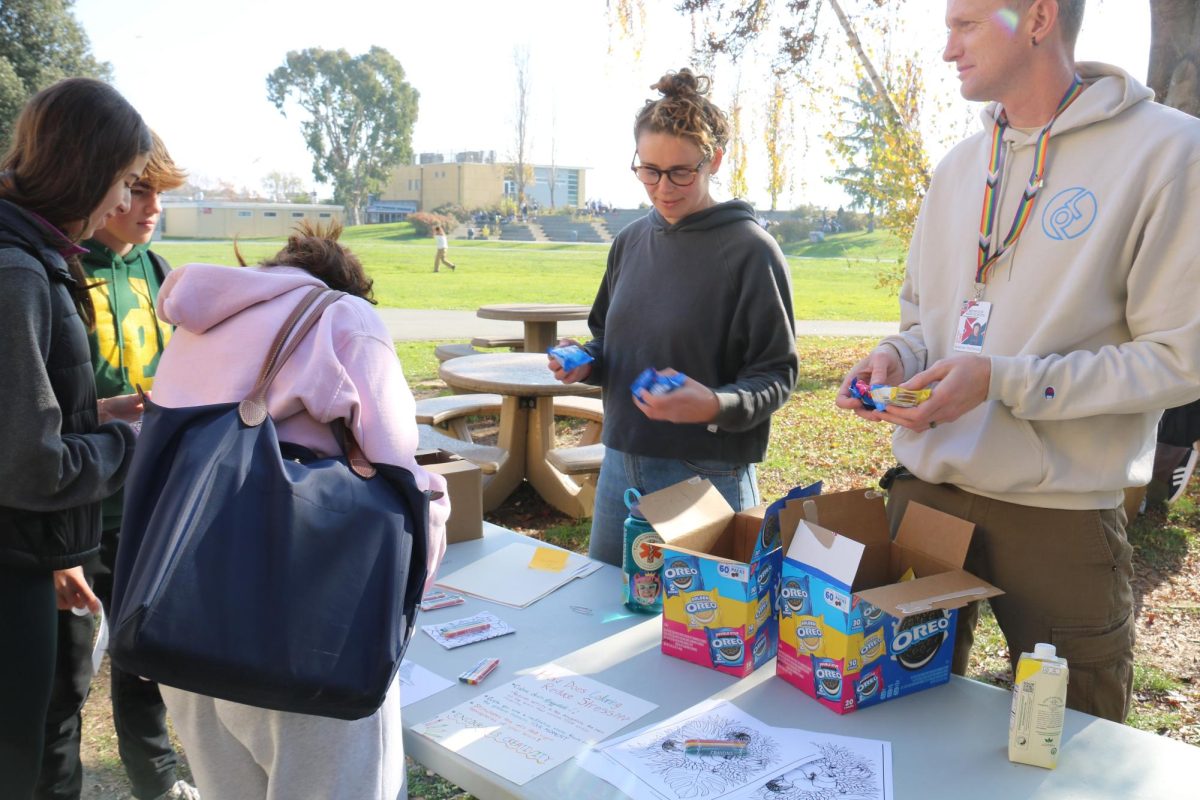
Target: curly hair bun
x=683 y=84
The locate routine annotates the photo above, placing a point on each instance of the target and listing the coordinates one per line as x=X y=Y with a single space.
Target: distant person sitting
x=1175 y=453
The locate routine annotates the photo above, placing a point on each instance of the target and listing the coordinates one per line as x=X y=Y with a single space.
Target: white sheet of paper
x=650 y=763
x=417 y=683
x=505 y=576
x=534 y=723
x=101 y=646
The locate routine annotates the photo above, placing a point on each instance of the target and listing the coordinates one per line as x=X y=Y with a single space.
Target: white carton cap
x=1044 y=651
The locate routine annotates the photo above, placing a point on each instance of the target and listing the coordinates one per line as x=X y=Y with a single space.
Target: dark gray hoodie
x=710 y=296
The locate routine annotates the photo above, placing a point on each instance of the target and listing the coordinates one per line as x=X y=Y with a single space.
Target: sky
x=197 y=72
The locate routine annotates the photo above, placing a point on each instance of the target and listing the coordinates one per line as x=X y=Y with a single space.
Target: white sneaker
x=182 y=790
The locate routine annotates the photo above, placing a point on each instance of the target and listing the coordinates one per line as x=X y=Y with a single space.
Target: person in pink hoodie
x=346 y=368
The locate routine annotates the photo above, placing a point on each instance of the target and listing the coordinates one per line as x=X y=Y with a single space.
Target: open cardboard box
x=464 y=484
x=718 y=601
x=851 y=633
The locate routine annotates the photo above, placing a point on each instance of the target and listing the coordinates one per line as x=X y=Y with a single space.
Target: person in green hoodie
x=126 y=343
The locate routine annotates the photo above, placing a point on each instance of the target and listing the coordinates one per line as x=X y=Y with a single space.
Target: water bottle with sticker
x=641 y=561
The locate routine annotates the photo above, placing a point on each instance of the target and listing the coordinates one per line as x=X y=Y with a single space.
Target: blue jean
x=737 y=483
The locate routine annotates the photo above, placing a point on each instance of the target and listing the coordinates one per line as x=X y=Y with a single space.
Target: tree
x=284 y=187
x=1175 y=54
x=777 y=136
x=40 y=43
x=522 y=173
x=738 y=186
x=361 y=113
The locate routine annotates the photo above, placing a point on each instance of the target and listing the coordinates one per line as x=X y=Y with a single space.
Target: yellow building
x=472 y=185
x=225 y=219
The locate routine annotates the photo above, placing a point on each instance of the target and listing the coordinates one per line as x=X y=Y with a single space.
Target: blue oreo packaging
x=570 y=356
x=719 y=605
x=654 y=382
x=852 y=633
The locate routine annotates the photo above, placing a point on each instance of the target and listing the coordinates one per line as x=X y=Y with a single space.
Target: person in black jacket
x=76 y=150
x=695 y=287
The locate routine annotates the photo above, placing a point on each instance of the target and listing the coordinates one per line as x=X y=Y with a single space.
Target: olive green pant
x=1066 y=577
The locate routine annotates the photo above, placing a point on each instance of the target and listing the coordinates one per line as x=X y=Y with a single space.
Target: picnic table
x=540 y=320
x=527 y=390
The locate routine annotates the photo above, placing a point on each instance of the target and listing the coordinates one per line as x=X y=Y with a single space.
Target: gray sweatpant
x=239 y=752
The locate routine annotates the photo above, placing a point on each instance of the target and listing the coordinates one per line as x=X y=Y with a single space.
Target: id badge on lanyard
x=975 y=313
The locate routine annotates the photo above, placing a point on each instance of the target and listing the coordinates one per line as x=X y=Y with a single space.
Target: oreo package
x=681 y=574
x=654 y=382
x=794 y=596
x=768 y=532
x=726 y=646
x=570 y=356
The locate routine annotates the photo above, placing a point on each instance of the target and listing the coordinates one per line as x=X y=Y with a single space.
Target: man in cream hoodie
x=1082 y=274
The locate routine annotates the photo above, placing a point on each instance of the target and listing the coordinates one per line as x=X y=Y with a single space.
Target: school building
x=473 y=180
x=225 y=219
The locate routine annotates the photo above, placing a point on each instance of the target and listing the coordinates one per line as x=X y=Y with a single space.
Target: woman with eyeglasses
x=695 y=287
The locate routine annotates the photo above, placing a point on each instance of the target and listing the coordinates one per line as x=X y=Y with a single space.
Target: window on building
x=297 y=215
x=325 y=215
x=245 y=213
x=269 y=214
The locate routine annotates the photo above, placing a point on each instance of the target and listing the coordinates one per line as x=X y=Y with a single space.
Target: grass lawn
x=830 y=284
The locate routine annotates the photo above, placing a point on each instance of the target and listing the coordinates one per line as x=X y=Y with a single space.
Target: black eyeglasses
x=680 y=176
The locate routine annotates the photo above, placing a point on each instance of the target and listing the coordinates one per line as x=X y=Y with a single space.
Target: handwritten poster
x=534 y=723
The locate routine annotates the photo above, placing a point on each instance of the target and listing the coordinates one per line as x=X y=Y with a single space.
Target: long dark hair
x=70 y=143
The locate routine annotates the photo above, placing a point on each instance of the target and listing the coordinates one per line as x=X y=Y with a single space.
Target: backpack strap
x=253 y=409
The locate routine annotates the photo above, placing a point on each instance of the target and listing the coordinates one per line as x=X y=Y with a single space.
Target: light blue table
x=948 y=742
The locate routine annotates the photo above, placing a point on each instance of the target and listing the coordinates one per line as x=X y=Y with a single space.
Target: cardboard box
x=851 y=634
x=719 y=603
x=464 y=484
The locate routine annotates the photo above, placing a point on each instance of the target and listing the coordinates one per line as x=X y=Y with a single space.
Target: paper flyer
x=534 y=723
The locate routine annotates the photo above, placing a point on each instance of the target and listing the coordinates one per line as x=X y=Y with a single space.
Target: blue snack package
x=655 y=382
x=681 y=574
x=768 y=533
x=570 y=356
x=862 y=390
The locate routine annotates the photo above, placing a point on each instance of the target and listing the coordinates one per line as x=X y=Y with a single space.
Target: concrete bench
x=582 y=460
x=513 y=343
x=452 y=411
x=445 y=352
x=586 y=408
x=583 y=464
x=487 y=458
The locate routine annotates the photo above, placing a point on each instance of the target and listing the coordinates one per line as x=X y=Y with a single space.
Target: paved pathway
x=408 y=324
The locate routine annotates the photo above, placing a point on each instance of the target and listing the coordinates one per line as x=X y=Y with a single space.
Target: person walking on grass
x=126 y=343
x=696 y=287
x=439 y=237
x=1077 y=273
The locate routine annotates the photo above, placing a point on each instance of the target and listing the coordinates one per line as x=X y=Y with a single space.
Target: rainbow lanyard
x=991 y=199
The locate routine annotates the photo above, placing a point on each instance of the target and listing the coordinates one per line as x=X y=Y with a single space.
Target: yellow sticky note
x=550 y=559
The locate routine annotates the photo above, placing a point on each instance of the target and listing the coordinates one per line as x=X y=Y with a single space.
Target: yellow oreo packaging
x=864 y=618
x=719 y=594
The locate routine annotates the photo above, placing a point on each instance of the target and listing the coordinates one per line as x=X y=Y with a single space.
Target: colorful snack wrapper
x=570 y=356
x=655 y=382
x=681 y=574
x=862 y=390
x=726 y=646
x=884 y=396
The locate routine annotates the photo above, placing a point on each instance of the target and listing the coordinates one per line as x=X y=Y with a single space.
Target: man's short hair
x=1070 y=17
x=161 y=174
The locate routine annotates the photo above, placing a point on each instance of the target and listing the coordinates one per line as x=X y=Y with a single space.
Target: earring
x=1033 y=40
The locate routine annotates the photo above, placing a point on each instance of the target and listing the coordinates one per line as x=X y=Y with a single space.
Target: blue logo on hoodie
x=1069 y=214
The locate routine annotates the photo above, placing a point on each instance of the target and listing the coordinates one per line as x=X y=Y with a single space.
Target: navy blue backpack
x=254 y=571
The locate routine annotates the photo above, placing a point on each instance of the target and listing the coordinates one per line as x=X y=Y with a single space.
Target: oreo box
x=718 y=599
x=851 y=633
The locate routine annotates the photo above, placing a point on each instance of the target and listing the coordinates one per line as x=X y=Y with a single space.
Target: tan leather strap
x=253 y=409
